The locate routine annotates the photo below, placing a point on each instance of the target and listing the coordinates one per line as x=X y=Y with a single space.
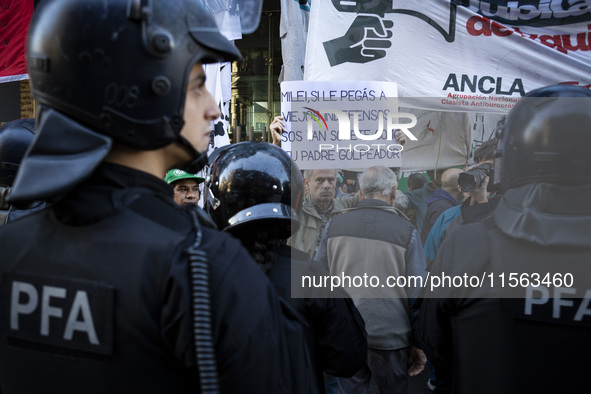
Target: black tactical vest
x=534 y=337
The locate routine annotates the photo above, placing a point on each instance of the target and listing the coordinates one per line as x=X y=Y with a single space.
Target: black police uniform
x=502 y=339
x=335 y=331
x=96 y=297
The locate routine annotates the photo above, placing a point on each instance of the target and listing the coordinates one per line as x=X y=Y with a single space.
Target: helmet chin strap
x=199 y=159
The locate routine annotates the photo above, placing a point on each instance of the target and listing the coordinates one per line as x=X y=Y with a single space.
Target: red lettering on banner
x=553 y=42
x=478 y=25
x=482 y=26
x=581 y=42
x=526 y=35
x=500 y=30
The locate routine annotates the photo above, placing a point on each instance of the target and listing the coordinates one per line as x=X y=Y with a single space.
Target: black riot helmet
x=109 y=71
x=121 y=67
x=15 y=138
x=254 y=185
x=545 y=138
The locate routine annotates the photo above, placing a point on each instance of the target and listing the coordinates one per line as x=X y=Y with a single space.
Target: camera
x=473 y=179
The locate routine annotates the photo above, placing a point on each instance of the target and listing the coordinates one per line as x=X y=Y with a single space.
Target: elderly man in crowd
x=374 y=240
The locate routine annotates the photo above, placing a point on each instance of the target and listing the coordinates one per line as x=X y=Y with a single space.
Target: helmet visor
x=235 y=16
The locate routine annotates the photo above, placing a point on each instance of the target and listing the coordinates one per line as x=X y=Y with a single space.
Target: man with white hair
x=372 y=249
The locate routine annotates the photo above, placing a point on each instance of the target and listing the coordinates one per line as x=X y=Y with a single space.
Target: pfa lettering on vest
x=55 y=314
x=558 y=305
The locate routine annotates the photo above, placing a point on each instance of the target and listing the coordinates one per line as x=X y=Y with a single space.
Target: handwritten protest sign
x=348 y=125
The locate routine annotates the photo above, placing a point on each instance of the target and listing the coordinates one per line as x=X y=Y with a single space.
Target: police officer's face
x=186 y=191
x=322 y=184
x=200 y=110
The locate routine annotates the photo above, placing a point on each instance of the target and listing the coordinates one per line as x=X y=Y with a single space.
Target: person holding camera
x=476 y=182
x=478 y=201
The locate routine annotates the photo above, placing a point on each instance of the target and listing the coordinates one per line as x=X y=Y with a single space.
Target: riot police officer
x=114 y=288
x=526 y=326
x=255 y=192
x=15 y=138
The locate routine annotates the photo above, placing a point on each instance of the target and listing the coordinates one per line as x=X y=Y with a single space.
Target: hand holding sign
x=277 y=127
x=400 y=138
x=367 y=39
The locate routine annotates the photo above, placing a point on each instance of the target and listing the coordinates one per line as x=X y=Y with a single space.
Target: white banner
x=293 y=30
x=443 y=140
x=453 y=55
x=218 y=83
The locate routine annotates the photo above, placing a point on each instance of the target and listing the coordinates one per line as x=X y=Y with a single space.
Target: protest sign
x=345 y=124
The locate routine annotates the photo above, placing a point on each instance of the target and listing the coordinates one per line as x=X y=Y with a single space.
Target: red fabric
x=15 y=16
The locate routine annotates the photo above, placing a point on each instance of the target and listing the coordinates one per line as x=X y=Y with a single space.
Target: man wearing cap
x=185 y=186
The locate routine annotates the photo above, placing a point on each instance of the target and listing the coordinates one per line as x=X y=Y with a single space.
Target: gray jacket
x=312 y=224
x=372 y=244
